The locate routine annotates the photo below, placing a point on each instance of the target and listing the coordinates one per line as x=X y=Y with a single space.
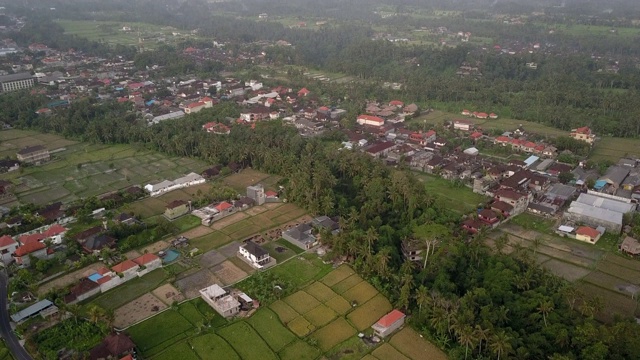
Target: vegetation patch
x=367 y=314
x=246 y=342
x=337 y=275
x=284 y=311
x=347 y=284
x=360 y=293
x=159 y=329
x=211 y=241
x=351 y=349
x=180 y=351
x=320 y=291
x=189 y=312
x=386 y=351
x=266 y=323
x=320 y=315
x=73 y=333
x=333 y=334
x=409 y=342
x=130 y=290
x=300 y=326
x=339 y=305
x=302 y=302
x=213 y=347
x=301 y=270
x=299 y=350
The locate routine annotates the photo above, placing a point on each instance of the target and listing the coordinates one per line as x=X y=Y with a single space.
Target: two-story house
x=255 y=255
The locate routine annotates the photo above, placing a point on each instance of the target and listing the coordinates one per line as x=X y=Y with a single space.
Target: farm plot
x=610 y=148
x=130 y=290
x=228 y=273
x=285 y=312
x=614 y=303
x=266 y=323
x=320 y=316
x=337 y=275
x=367 y=314
x=301 y=302
x=244 y=178
x=159 y=329
x=301 y=326
x=415 y=347
x=211 y=241
x=320 y=291
x=386 y=351
x=137 y=310
x=299 y=350
x=565 y=270
x=611 y=283
x=213 y=347
x=333 y=334
x=190 y=285
x=180 y=351
x=360 y=293
x=239 y=335
x=347 y=284
x=622 y=272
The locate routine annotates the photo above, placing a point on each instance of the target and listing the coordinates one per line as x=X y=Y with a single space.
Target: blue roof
x=600 y=184
x=531 y=159
x=95 y=277
x=150 y=102
x=31 y=310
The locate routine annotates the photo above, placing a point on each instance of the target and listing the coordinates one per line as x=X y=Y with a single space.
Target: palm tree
x=94 y=313
x=500 y=243
x=481 y=334
x=422 y=297
x=466 y=338
x=545 y=308
x=383 y=257
x=500 y=344
x=537 y=242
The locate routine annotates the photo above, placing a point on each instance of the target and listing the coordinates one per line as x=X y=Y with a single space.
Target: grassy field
x=81 y=170
x=504 y=124
x=461 y=199
x=596 y=30
x=596 y=270
x=612 y=149
x=302 y=326
x=130 y=290
x=112 y=32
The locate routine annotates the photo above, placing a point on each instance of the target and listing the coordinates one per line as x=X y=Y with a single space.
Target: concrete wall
x=610 y=226
x=150 y=267
x=115 y=281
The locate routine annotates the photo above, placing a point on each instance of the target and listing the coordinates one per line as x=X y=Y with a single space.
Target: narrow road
x=19 y=353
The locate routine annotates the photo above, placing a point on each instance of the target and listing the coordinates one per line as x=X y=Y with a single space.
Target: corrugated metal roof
x=31 y=310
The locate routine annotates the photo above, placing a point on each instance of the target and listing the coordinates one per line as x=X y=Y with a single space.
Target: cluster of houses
x=105 y=279
x=479 y=115
x=37 y=243
x=256 y=195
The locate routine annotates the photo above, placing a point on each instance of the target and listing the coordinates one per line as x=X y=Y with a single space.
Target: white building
x=165 y=186
x=225 y=304
x=255 y=255
x=370 y=120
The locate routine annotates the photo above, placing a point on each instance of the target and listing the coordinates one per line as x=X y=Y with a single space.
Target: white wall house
x=165 y=186
x=370 y=120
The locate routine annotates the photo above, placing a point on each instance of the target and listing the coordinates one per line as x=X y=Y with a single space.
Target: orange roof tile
x=390 y=318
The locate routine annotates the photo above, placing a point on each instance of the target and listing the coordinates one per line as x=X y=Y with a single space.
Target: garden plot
x=192 y=284
x=411 y=344
x=367 y=314
x=228 y=273
x=168 y=294
x=137 y=310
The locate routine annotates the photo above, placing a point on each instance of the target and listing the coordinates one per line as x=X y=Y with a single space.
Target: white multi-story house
x=254 y=254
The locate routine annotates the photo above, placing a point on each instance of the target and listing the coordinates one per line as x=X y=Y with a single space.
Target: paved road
x=19 y=353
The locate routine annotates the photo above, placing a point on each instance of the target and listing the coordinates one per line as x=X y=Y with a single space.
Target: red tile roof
x=145 y=259
x=390 y=318
x=502 y=139
x=271 y=193
x=223 y=206
x=56 y=229
x=196 y=104
x=588 y=231
x=104 y=279
x=103 y=270
x=28 y=239
x=583 y=130
x=395 y=103
x=29 y=248
x=124 y=266
x=371 y=118
x=476 y=135
x=7 y=240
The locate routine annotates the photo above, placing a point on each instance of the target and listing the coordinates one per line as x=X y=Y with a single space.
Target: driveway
x=10 y=338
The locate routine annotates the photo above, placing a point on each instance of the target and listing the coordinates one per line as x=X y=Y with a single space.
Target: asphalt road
x=19 y=353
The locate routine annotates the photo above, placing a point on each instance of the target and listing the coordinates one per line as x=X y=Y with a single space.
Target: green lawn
x=210 y=241
x=180 y=351
x=610 y=148
x=189 y=311
x=159 y=329
x=187 y=222
x=130 y=290
x=302 y=269
x=213 y=347
x=299 y=350
x=246 y=341
x=459 y=198
x=267 y=324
